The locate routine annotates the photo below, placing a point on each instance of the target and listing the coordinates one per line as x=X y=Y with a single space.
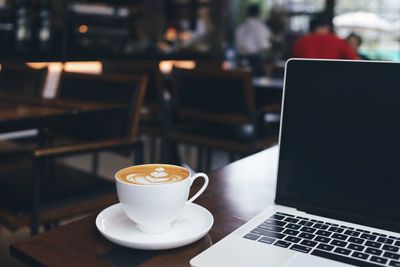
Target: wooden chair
x=20 y=79
x=36 y=189
x=106 y=88
x=154 y=105
x=216 y=109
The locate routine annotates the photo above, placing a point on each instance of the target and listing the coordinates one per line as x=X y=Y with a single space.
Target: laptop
x=338 y=182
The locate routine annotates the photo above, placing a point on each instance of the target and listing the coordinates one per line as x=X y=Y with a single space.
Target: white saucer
x=193 y=224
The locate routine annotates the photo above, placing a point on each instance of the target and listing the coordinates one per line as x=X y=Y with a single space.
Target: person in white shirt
x=252 y=39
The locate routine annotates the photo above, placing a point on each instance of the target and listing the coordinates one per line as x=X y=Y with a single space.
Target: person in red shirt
x=322 y=43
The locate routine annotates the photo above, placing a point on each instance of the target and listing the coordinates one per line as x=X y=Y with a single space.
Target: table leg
x=200 y=158
x=95 y=163
x=209 y=155
x=38 y=170
x=139 y=153
x=169 y=152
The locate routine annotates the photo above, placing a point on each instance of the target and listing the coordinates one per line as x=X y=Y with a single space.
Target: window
x=376 y=21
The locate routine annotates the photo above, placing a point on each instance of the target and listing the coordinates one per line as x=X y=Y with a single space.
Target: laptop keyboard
x=327 y=240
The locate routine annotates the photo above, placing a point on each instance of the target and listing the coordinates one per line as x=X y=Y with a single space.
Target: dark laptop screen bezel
x=292 y=66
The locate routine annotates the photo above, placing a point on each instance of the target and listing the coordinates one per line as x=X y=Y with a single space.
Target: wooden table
x=236 y=193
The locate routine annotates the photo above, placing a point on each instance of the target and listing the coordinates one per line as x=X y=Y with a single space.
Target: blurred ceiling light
x=83 y=28
x=167 y=65
x=92 y=67
x=171 y=34
x=37 y=65
x=55 y=67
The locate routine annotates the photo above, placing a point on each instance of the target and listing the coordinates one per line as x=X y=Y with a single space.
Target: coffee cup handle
x=194 y=177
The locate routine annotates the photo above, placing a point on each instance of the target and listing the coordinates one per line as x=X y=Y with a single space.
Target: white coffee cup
x=151 y=204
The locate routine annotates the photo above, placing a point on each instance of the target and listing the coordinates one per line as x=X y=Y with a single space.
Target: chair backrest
x=214 y=95
x=127 y=90
x=20 y=79
x=151 y=69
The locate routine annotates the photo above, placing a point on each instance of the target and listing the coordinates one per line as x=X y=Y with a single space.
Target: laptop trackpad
x=312 y=261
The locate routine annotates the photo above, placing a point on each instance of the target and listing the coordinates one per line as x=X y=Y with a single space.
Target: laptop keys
x=391 y=255
x=283 y=244
x=266 y=240
x=363 y=231
x=309 y=243
x=300 y=248
x=277 y=217
x=373 y=244
x=293 y=226
x=351 y=233
x=259 y=231
x=285 y=214
x=336 y=229
x=321 y=226
x=307 y=235
x=337 y=242
x=291 y=232
x=275 y=222
x=378 y=259
x=342 y=251
x=340 y=236
x=356 y=240
x=379 y=234
x=356 y=247
x=308 y=224
x=323 y=233
x=271 y=227
x=325 y=247
x=390 y=248
x=360 y=255
x=347 y=227
x=308 y=230
x=291 y=220
x=369 y=237
x=373 y=251
x=322 y=239
x=252 y=236
x=385 y=240
x=292 y=239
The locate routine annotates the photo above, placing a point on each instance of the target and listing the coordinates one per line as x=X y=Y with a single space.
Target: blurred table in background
x=20 y=112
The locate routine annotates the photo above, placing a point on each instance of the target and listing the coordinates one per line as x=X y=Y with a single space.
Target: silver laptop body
x=337 y=197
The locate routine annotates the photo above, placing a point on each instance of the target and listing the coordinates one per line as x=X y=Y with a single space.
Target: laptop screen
x=340 y=141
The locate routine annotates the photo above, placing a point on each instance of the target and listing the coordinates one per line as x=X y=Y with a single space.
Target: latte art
x=152 y=174
x=158 y=176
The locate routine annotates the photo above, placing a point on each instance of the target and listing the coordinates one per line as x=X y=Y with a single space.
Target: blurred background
x=70 y=30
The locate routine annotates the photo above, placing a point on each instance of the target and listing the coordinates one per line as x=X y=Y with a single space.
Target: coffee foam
x=152 y=174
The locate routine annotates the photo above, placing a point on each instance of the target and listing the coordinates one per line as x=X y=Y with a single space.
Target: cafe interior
x=88 y=87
